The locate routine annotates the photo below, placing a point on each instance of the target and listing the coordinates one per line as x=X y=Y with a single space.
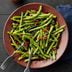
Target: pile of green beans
x=38 y=30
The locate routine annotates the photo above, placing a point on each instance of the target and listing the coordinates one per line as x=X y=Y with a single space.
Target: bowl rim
x=44 y=5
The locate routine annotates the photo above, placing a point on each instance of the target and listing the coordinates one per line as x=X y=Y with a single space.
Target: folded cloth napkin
x=66 y=11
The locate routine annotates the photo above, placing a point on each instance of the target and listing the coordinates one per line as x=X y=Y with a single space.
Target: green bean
x=47 y=56
x=37 y=38
x=35 y=34
x=41 y=34
x=14 y=25
x=14 y=42
x=56 y=25
x=43 y=46
x=58 y=35
x=33 y=58
x=47 y=19
x=17 y=31
x=26 y=13
x=44 y=41
x=34 y=43
x=41 y=26
x=17 y=39
x=50 y=55
x=23 y=56
x=42 y=16
x=55 y=38
x=51 y=28
x=21 y=20
x=35 y=51
x=54 y=55
x=34 y=16
x=59 y=31
x=54 y=16
x=10 y=32
x=28 y=21
x=17 y=18
x=40 y=55
x=51 y=46
x=62 y=27
x=14 y=18
x=44 y=56
x=27 y=27
x=51 y=40
x=19 y=52
x=35 y=13
x=27 y=24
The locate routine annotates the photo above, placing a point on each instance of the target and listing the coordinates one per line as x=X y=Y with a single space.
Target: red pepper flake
x=45 y=37
x=17 y=42
x=54 y=49
x=36 y=22
x=21 y=35
x=26 y=44
x=47 y=27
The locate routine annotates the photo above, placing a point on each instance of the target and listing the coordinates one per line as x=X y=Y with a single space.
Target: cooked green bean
x=21 y=20
x=17 y=39
x=32 y=17
x=15 y=18
x=42 y=25
x=26 y=13
x=49 y=35
x=14 y=42
x=62 y=27
x=42 y=16
x=35 y=51
x=23 y=56
x=47 y=19
x=27 y=24
x=19 y=52
x=33 y=58
x=50 y=47
x=34 y=43
x=54 y=57
x=59 y=31
x=39 y=17
x=35 y=34
x=41 y=40
x=55 y=38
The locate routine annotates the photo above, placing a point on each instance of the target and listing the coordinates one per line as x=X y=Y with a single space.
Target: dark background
x=63 y=65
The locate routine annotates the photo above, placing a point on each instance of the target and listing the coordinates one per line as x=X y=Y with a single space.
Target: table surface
x=65 y=62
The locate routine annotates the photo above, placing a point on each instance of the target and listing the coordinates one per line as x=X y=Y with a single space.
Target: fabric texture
x=66 y=11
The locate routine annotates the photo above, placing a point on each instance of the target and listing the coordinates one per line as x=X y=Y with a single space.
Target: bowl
x=46 y=8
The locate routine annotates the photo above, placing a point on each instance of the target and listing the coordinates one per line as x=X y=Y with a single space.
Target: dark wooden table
x=63 y=65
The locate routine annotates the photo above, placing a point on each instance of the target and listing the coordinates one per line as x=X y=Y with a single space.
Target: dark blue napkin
x=66 y=11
